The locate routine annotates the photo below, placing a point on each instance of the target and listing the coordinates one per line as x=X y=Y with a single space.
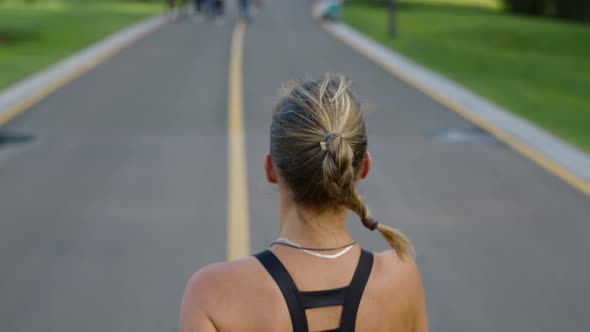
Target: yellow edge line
x=238 y=228
x=538 y=158
x=25 y=104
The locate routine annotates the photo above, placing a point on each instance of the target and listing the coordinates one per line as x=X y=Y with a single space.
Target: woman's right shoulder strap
x=283 y=279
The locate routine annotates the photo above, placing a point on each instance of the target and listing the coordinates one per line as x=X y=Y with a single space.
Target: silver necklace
x=309 y=251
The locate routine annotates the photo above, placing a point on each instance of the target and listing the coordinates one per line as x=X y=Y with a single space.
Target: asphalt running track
x=123 y=191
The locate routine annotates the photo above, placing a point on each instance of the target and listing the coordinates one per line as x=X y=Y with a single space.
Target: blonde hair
x=318 y=143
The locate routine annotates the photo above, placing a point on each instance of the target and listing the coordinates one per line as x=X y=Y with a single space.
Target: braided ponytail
x=318 y=141
x=396 y=239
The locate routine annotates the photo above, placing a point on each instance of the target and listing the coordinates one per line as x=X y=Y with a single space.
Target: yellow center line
x=238 y=228
x=517 y=145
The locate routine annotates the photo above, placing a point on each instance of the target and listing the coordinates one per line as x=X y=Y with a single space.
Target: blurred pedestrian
x=199 y=5
x=216 y=9
x=178 y=7
x=245 y=10
x=327 y=10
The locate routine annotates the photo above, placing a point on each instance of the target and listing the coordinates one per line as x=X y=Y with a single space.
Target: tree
x=565 y=9
x=573 y=9
x=391 y=25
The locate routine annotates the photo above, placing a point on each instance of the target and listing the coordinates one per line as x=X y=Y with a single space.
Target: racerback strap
x=349 y=297
x=290 y=292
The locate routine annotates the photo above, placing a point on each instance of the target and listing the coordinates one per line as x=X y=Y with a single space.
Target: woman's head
x=319 y=146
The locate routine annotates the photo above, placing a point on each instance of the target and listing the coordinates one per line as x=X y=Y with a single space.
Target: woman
x=314 y=277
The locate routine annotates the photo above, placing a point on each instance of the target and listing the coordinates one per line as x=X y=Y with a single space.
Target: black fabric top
x=348 y=297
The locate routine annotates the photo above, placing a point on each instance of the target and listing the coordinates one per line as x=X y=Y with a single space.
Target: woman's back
x=242 y=295
x=318 y=153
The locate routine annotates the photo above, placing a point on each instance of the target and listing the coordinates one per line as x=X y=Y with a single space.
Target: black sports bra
x=348 y=297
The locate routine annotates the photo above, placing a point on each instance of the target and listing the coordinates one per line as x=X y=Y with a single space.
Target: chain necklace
x=312 y=251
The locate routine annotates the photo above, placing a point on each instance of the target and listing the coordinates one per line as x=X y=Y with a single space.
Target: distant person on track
x=199 y=6
x=176 y=6
x=314 y=276
x=217 y=10
x=329 y=10
x=200 y=9
x=245 y=10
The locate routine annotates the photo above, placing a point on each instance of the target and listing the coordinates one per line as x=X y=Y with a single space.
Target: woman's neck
x=312 y=229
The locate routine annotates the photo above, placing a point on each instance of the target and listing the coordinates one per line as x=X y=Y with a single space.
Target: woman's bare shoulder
x=217 y=279
x=401 y=277
x=398 y=272
x=390 y=259
x=214 y=292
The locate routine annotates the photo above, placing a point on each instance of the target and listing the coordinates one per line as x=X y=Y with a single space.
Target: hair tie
x=327 y=138
x=370 y=223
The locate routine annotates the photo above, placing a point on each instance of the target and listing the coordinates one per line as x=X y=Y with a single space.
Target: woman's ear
x=269 y=169
x=366 y=166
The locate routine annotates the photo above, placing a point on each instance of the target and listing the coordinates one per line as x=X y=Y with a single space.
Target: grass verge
x=36 y=35
x=537 y=68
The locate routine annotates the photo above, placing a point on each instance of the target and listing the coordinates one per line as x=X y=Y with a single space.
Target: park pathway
x=122 y=193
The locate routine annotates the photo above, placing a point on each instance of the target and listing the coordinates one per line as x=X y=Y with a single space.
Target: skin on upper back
x=242 y=296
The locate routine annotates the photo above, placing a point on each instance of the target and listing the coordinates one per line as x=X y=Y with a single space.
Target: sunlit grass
x=124 y=6
x=33 y=36
x=537 y=68
x=50 y=5
x=488 y=4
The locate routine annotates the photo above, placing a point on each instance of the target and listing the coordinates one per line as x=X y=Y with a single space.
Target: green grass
x=34 y=36
x=537 y=68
